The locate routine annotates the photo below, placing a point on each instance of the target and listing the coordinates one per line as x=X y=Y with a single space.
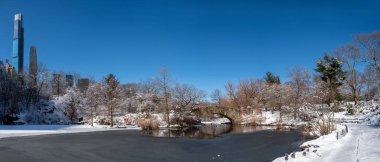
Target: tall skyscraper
x=69 y=81
x=18 y=45
x=33 y=67
x=2 y=70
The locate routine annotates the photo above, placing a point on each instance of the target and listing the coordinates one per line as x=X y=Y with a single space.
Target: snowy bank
x=32 y=130
x=319 y=148
x=360 y=144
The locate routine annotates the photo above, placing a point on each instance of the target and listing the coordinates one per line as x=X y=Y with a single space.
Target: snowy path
x=361 y=144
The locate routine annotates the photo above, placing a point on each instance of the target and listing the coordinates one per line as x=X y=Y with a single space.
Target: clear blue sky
x=202 y=42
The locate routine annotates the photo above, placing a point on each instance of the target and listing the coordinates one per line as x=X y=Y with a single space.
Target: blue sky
x=202 y=42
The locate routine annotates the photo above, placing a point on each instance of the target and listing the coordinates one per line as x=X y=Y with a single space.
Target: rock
x=293 y=155
x=307 y=150
x=314 y=151
x=304 y=153
x=286 y=157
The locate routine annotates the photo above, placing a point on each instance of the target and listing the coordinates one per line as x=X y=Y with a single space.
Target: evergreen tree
x=271 y=79
x=112 y=95
x=332 y=74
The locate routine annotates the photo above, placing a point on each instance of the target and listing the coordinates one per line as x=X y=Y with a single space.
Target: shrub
x=104 y=121
x=351 y=111
x=188 y=121
x=131 y=119
x=148 y=124
x=324 y=125
x=255 y=121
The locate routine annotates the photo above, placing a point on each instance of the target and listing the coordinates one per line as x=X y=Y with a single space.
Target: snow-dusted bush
x=46 y=112
x=72 y=103
x=182 y=120
x=324 y=126
x=131 y=119
x=148 y=124
x=370 y=112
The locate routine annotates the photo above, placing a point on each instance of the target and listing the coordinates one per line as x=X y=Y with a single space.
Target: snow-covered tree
x=93 y=99
x=299 y=89
x=74 y=104
x=112 y=96
x=164 y=84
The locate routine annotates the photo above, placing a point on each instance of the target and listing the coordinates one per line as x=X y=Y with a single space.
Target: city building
x=83 y=84
x=33 y=68
x=18 y=45
x=2 y=70
x=69 y=81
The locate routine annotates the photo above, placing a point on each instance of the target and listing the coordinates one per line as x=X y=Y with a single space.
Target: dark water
x=215 y=131
x=258 y=144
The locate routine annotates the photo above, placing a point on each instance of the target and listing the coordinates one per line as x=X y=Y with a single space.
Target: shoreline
x=8 y=131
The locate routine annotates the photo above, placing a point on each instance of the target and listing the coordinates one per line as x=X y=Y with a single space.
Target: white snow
x=216 y=121
x=31 y=130
x=360 y=144
x=270 y=118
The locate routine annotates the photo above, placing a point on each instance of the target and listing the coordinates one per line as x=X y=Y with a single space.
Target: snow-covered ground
x=31 y=130
x=271 y=118
x=216 y=121
x=361 y=143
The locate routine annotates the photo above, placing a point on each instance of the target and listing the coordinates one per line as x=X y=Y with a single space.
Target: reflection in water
x=205 y=131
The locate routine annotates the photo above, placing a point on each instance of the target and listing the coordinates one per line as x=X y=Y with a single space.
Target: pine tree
x=271 y=79
x=332 y=74
x=112 y=95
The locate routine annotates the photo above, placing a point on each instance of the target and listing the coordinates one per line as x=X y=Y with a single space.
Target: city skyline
x=208 y=80
x=200 y=43
x=18 y=44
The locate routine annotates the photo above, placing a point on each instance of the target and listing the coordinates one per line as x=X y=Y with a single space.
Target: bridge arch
x=225 y=116
x=225 y=112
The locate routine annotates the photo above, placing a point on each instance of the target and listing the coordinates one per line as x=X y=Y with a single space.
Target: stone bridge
x=227 y=112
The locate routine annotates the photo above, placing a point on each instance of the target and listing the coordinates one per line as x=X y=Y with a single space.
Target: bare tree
x=187 y=96
x=216 y=97
x=370 y=46
x=370 y=82
x=232 y=95
x=300 y=79
x=350 y=56
x=272 y=96
x=58 y=83
x=245 y=94
x=164 y=84
x=43 y=78
x=150 y=86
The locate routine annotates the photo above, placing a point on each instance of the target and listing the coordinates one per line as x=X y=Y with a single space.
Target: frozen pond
x=208 y=131
x=199 y=144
